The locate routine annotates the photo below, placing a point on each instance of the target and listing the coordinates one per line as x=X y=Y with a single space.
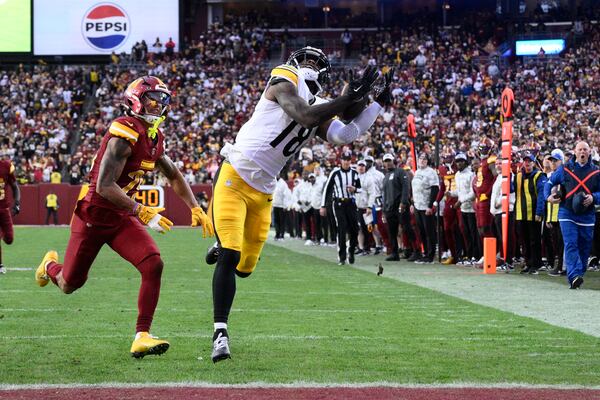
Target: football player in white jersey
x=288 y=114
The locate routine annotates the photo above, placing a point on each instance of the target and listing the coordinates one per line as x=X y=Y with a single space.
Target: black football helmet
x=313 y=58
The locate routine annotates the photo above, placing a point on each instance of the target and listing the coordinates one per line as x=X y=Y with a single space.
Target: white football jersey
x=270 y=138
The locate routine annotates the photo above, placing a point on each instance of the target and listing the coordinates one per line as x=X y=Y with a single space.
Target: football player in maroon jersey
x=107 y=214
x=7 y=178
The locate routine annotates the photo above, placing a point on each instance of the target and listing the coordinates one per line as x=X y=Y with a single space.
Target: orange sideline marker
x=489 y=255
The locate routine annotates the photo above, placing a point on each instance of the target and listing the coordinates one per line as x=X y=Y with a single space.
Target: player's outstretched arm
x=336 y=132
x=286 y=95
x=199 y=218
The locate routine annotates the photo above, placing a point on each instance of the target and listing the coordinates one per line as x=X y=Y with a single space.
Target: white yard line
x=295 y=385
x=550 y=302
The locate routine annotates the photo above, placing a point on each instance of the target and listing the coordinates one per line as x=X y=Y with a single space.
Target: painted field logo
x=105 y=26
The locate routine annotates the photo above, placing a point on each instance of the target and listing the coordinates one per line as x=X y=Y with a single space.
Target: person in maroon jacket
x=7 y=178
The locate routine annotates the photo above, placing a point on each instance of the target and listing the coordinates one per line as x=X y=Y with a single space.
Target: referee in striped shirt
x=343 y=183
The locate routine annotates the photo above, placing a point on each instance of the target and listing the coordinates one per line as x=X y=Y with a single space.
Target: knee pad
x=242 y=274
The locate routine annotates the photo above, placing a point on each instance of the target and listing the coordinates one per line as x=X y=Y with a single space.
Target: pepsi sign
x=105 y=26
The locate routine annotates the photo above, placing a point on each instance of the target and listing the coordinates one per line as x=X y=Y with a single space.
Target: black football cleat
x=221 y=347
x=577 y=282
x=212 y=254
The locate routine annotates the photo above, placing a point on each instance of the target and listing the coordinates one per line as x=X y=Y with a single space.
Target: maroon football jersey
x=484 y=180
x=145 y=151
x=7 y=176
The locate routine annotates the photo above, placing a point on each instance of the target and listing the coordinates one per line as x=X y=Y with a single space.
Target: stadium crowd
x=449 y=79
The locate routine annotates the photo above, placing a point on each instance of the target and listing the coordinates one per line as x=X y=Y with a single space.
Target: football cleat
x=221 y=347
x=212 y=254
x=2 y=269
x=146 y=345
x=576 y=282
x=41 y=276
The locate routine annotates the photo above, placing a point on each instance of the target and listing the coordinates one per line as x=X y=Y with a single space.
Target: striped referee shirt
x=337 y=185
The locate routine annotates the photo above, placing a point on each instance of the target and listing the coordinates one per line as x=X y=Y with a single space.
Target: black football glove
x=16 y=209
x=384 y=93
x=360 y=87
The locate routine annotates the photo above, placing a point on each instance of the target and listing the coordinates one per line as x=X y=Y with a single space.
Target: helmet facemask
x=313 y=64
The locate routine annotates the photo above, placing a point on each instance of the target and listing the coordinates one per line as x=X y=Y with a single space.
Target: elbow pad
x=340 y=133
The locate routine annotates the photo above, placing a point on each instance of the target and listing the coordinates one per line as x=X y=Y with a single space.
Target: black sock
x=224 y=284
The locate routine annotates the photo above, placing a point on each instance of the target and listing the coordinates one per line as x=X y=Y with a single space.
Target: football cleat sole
x=153 y=351
x=41 y=275
x=212 y=255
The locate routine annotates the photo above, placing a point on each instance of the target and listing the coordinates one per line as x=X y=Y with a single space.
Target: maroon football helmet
x=148 y=98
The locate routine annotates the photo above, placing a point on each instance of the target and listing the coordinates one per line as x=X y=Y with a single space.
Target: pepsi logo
x=105 y=26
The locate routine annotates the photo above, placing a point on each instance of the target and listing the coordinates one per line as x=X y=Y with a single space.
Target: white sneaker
x=2 y=269
x=322 y=241
x=308 y=243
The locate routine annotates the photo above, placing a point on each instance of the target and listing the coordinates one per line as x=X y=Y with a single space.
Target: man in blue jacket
x=579 y=191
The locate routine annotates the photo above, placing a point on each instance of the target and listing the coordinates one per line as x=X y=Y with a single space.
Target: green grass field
x=297 y=318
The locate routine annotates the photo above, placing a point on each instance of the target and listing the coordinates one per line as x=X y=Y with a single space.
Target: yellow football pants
x=241 y=216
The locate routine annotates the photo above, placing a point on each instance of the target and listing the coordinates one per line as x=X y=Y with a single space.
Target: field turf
x=296 y=319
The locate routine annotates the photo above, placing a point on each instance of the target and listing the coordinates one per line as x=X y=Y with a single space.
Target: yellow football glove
x=199 y=217
x=151 y=216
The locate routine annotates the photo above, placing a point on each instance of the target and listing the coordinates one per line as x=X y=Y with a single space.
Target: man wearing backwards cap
x=581 y=180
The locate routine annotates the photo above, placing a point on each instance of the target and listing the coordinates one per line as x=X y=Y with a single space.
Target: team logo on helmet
x=105 y=26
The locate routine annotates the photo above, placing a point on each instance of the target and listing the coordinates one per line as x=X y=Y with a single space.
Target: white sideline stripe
x=19 y=269
x=297 y=385
x=195 y=335
x=185 y=310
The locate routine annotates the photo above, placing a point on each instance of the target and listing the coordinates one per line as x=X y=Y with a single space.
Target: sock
x=53 y=269
x=220 y=325
x=151 y=270
x=223 y=284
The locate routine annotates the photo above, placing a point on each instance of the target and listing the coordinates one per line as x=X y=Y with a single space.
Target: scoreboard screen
x=15 y=26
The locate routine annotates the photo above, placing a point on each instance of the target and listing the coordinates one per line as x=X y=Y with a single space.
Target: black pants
x=54 y=213
x=426 y=227
x=307 y=218
x=332 y=224
x=279 y=214
x=553 y=243
x=510 y=248
x=472 y=241
x=364 y=229
x=347 y=224
x=393 y=220
x=320 y=227
x=532 y=243
x=408 y=229
x=596 y=242
x=289 y=222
